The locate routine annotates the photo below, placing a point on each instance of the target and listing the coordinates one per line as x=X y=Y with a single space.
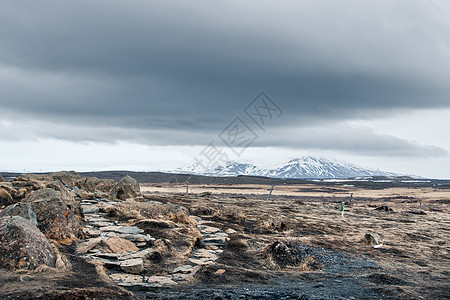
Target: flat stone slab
x=115 y=256
x=204 y=253
x=183 y=269
x=200 y=261
x=212 y=247
x=216 y=235
x=137 y=237
x=216 y=240
x=119 y=245
x=91 y=232
x=107 y=263
x=140 y=254
x=186 y=269
x=121 y=277
x=88 y=245
x=160 y=281
x=94 y=218
x=208 y=229
x=110 y=228
x=89 y=209
x=132 y=266
x=103 y=223
x=130 y=230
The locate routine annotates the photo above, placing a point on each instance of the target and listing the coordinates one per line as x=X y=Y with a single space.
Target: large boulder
x=23 y=246
x=67 y=178
x=29 y=181
x=17 y=194
x=5 y=197
x=93 y=184
x=105 y=185
x=54 y=218
x=20 y=209
x=66 y=195
x=1 y=178
x=127 y=188
x=34 y=177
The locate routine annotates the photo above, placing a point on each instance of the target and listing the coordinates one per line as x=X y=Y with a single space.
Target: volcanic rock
x=54 y=218
x=127 y=188
x=20 y=209
x=5 y=197
x=22 y=245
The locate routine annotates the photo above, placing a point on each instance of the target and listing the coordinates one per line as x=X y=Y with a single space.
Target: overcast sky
x=148 y=85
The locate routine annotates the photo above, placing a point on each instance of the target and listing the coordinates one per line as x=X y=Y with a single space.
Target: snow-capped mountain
x=319 y=167
x=230 y=168
x=303 y=167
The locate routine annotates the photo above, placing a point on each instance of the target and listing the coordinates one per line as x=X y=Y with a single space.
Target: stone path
x=127 y=246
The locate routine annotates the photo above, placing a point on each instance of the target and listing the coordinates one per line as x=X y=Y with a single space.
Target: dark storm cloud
x=187 y=68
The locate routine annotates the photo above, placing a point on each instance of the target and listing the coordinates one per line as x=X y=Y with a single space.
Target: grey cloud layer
x=188 y=67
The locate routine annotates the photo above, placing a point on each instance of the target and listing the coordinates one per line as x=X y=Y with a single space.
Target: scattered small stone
x=219 y=272
x=181 y=277
x=373 y=239
x=384 y=208
x=417 y=212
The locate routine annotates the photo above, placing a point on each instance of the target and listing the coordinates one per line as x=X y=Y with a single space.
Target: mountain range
x=302 y=167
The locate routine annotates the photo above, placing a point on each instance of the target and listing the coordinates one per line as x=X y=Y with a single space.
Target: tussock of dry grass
x=148 y=210
x=230 y=213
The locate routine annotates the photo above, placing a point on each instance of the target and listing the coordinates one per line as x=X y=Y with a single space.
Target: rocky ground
x=67 y=236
